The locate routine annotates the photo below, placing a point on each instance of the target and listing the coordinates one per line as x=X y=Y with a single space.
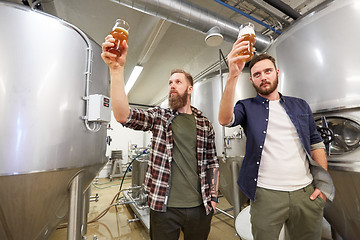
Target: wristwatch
x=214 y=199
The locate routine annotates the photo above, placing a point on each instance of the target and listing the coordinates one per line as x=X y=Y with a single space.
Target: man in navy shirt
x=284 y=171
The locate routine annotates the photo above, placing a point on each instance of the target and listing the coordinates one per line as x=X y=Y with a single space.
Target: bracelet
x=214 y=199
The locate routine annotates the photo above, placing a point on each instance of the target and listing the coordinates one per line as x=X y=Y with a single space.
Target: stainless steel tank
x=206 y=97
x=318 y=61
x=230 y=142
x=139 y=158
x=341 y=132
x=45 y=144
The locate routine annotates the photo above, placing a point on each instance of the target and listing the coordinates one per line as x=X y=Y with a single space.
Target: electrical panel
x=99 y=108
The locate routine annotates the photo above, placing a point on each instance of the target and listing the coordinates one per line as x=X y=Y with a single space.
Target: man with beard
x=284 y=171
x=182 y=176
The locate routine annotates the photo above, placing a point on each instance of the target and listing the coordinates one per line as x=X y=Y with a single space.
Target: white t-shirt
x=284 y=165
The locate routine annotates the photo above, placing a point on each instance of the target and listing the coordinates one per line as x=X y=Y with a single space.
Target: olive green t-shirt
x=185 y=180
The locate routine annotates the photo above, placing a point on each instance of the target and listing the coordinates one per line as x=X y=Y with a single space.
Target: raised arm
x=236 y=65
x=116 y=65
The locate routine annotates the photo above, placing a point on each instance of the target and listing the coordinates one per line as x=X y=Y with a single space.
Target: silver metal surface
x=224 y=212
x=317 y=59
x=235 y=166
x=139 y=168
x=40 y=101
x=136 y=196
x=206 y=97
x=343 y=214
x=235 y=146
x=76 y=208
x=44 y=142
x=47 y=202
x=86 y=204
x=143 y=214
x=229 y=173
x=191 y=16
x=116 y=160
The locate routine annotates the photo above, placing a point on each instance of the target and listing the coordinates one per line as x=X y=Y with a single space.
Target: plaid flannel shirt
x=157 y=179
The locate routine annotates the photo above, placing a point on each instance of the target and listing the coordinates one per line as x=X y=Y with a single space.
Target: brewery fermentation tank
x=47 y=69
x=318 y=62
x=136 y=196
x=230 y=142
x=140 y=157
x=341 y=132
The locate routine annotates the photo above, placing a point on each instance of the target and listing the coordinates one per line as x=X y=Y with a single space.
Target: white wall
x=122 y=138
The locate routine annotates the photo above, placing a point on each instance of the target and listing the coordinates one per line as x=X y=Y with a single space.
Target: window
x=341 y=135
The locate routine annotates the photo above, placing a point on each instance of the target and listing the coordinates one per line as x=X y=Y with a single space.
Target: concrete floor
x=115 y=225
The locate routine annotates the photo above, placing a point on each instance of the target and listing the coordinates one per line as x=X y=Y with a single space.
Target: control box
x=99 y=108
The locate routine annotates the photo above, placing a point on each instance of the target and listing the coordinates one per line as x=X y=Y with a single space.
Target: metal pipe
x=221 y=56
x=75 y=210
x=85 y=211
x=225 y=213
x=189 y=15
x=261 y=5
x=133 y=220
x=235 y=172
x=248 y=16
x=283 y=7
x=132 y=200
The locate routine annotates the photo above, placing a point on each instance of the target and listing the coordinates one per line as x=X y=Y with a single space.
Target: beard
x=178 y=100
x=267 y=91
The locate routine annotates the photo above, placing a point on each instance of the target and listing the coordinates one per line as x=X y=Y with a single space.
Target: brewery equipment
x=341 y=132
x=116 y=164
x=53 y=103
x=136 y=197
x=230 y=142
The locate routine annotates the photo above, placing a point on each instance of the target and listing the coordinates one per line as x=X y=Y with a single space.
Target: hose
x=116 y=197
x=128 y=167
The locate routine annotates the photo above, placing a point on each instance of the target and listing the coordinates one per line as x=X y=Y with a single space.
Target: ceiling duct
x=192 y=16
x=283 y=7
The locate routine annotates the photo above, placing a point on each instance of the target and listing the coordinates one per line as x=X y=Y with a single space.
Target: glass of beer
x=248 y=33
x=120 y=32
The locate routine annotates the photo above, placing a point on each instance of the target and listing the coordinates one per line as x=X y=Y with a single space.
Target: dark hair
x=261 y=57
x=187 y=75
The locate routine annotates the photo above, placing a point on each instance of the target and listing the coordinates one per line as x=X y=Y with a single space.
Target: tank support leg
x=235 y=172
x=75 y=211
x=85 y=211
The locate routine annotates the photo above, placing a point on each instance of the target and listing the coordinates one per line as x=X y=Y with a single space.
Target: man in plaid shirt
x=183 y=174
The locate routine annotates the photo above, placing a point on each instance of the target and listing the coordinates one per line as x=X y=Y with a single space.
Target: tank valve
x=94 y=198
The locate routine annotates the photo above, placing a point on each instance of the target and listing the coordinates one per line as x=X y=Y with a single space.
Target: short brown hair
x=261 y=57
x=187 y=75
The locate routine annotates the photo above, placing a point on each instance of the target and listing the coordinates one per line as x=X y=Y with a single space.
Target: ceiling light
x=133 y=77
x=213 y=37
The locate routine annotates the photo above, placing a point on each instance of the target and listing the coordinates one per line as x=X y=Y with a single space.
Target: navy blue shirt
x=253 y=115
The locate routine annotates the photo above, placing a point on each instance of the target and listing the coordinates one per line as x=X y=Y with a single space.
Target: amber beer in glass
x=120 y=32
x=248 y=33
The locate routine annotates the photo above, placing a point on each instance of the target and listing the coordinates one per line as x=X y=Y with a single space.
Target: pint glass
x=248 y=33
x=120 y=32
